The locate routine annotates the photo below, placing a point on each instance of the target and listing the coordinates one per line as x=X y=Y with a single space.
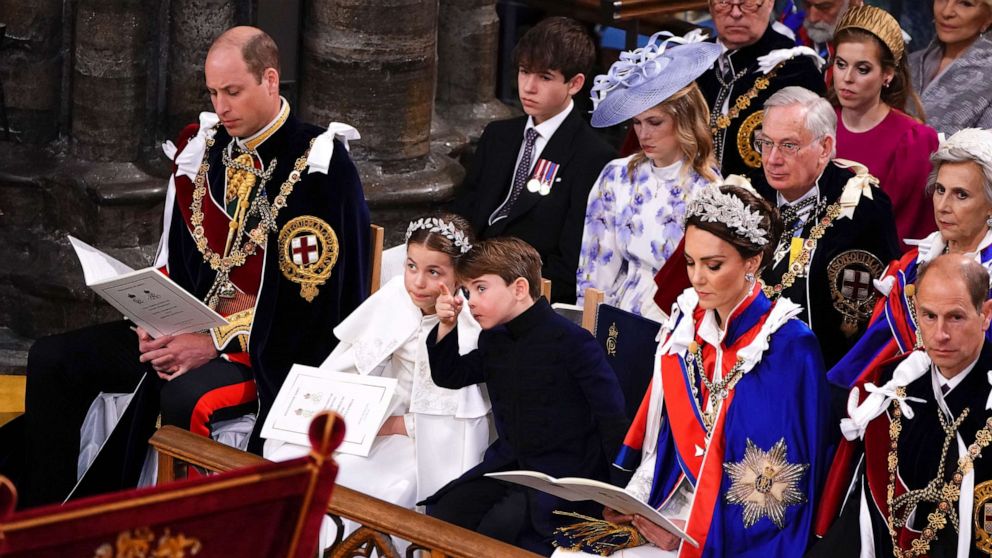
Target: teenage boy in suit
x=557 y=405
x=532 y=174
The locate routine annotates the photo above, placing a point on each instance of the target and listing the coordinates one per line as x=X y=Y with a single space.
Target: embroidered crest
x=983 y=517
x=308 y=250
x=745 y=140
x=765 y=483
x=611 y=339
x=851 y=274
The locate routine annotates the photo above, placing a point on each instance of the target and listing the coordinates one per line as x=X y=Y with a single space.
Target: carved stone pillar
x=194 y=26
x=110 y=77
x=372 y=64
x=31 y=67
x=468 y=35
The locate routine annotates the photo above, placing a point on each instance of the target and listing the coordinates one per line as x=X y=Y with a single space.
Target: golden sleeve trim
x=239 y=326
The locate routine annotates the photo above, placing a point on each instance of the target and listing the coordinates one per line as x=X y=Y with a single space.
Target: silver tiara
x=713 y=206
x=447 y=230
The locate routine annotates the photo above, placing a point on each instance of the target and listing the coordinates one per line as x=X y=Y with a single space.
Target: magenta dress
x=897 y=152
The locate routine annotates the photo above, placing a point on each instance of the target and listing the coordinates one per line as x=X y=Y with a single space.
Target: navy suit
x=557 y=405
x=552 y=224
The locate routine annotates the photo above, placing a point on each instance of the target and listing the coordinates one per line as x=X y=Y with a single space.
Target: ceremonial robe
x=892 y=329
x=768 y=435
x=735 y=152
x=862 y=527
x=841 y=264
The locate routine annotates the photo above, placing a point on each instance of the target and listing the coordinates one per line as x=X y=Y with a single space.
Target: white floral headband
x=445 y=229
x=713 y=206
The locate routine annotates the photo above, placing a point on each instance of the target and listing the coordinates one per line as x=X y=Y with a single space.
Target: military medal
x=544 y=175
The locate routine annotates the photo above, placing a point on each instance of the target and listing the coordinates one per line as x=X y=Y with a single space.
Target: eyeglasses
x=725 y=6
x=786 y=148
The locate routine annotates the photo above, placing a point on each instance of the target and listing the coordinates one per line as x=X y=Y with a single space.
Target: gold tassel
x=589 y=535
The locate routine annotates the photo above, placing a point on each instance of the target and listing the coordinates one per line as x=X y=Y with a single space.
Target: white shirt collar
x=548 y=128
x=957 y=379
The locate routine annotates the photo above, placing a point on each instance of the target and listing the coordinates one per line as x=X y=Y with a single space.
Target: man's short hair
x=556 y=43
x=821 y=119
x=507 y=257
x=259 y=50
x=974 y=275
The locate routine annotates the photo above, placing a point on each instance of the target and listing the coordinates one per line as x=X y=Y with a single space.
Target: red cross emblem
x=856 y=284
x=305 y=249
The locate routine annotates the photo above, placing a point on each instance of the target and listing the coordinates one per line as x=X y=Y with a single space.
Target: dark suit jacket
x=552 y=224
x=556 y=402
x=799 y=71
x=872 y=229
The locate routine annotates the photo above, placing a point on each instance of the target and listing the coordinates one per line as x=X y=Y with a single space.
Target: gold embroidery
x=611 y=340
x=238 y=324
x=139 y=545
x=765 y=483
x=745 y=139
x=308 y=249
x=983 y=517
x=850 y=275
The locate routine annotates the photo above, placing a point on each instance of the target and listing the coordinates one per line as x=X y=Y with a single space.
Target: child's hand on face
x=447 y=307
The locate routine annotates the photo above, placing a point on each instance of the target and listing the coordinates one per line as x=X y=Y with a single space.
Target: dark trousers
x=492 y=508
x=66 y=372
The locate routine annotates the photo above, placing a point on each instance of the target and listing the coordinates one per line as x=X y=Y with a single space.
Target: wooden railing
x=178 y=449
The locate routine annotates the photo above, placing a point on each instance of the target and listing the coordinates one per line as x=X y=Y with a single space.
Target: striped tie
x=519 y=178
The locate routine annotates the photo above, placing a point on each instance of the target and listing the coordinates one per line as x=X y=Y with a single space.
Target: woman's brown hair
x=900 y=90
x=691 y=115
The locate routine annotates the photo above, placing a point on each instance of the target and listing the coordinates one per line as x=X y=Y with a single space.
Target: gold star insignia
x=765 y=483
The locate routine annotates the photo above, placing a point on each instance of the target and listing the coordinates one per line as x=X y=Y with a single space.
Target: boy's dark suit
x=556 y=402
x=552 y=224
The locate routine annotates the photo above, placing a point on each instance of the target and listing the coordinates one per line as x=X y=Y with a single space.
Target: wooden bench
x=11 y=397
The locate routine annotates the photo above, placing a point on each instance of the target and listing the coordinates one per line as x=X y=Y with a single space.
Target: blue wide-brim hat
x=645 y=77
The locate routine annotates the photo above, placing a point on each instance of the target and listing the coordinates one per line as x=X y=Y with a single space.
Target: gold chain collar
x=796 y=267
x=238 y=254
x=945 y=497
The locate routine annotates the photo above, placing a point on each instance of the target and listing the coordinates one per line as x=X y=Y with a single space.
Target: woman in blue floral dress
x=634 y=218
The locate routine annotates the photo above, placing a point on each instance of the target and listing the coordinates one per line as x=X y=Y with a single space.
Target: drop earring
x=988 y=221
x=749 y=277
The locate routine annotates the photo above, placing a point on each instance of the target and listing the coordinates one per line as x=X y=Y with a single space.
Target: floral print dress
x=633 y=225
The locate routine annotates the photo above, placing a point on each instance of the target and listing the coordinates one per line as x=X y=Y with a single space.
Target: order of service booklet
x=579 y=489
x=147 y=297
x=362 y=401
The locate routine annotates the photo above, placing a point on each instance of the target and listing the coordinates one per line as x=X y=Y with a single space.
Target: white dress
x=633 y=225
x=448 y=430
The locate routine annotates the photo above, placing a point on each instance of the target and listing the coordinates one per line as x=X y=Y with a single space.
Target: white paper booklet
x=577 y=490
x=147 y=297
x=362 y=401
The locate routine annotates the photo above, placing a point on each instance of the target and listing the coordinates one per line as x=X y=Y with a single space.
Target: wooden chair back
x=269 y=510
x=546 y=289
x=376 y=239
x=590 y=305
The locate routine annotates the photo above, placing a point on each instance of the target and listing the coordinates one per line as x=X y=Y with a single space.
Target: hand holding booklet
x=147 y=297
x=362 y=401
x=578 y=489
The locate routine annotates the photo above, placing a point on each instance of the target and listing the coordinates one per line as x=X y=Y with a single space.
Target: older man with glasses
x=757 y=61
x=839 y=229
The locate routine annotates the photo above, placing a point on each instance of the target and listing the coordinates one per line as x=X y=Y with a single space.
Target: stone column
x=194 y=26
x=468 y=36
x=372 y=64
x=31 y=67
x=110 y=75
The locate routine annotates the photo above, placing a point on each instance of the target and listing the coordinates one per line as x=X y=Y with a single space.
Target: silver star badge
x=765 y=483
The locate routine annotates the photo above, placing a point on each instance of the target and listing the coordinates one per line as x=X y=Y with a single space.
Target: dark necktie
x=519 y=177
x=726 y=69
x=944 y=389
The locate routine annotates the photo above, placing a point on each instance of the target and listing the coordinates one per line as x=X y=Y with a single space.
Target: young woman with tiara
x=636 y=209
x=432 y=435
x=731 y=438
